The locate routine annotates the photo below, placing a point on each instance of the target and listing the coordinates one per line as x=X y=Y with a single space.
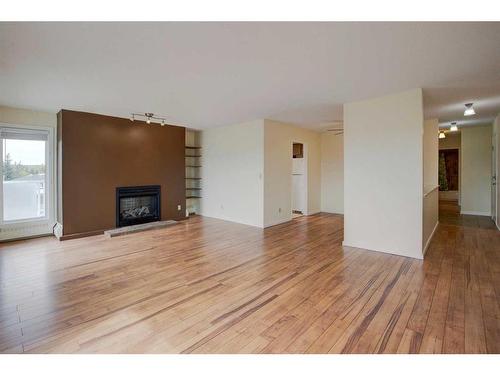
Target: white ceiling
x=212 y=74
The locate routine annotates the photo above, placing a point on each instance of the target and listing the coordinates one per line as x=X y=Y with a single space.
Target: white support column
x=383 y=174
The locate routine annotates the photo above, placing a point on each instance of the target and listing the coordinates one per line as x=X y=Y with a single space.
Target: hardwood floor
x=210 y=286
x=449 y=213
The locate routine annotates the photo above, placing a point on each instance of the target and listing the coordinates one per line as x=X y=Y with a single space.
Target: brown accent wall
x=100 y=153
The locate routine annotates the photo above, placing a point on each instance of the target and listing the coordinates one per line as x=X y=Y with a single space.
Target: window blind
x=24 y=134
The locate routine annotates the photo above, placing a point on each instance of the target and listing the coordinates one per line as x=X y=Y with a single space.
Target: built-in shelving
x=193 y=180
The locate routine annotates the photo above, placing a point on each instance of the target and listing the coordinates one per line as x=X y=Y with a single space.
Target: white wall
x=18 y=116
x=431 y=153
x=430 y=182
x=247 y=172
x=430 y=217
x=451 y=141
x=476 y=170
x=496 y=130
x=332 y=172
x=383 y=174
x=278 y=139
x=232 y=173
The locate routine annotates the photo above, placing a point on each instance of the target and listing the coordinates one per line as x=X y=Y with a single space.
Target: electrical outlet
x=179 y=207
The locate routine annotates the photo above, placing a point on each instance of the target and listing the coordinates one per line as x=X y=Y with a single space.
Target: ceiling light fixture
x=469 y=110
x=149 y=118
x=442 y=135
x=453 y=127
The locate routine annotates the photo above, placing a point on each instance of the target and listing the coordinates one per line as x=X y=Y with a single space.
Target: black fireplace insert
x=137 y=205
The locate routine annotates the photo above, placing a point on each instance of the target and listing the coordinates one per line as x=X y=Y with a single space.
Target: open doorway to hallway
x=466 y=170
x=449 y=168
x=449 y=174
x=449 y=214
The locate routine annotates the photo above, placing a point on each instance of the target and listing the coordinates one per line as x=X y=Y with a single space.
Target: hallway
x=449 y=214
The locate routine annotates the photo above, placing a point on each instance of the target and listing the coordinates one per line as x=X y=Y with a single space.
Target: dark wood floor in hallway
x=210 y=286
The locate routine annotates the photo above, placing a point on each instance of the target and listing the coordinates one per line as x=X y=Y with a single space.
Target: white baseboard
x=476 y=213
x=312 y=213
x=364 y=247
x=430 y=238
x=277 y=222
x=333 y=212
x=232 y=220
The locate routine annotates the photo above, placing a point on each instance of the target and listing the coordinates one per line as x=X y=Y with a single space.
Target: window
x=25 y=183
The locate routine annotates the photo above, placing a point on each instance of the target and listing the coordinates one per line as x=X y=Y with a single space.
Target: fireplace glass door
x=137 y=205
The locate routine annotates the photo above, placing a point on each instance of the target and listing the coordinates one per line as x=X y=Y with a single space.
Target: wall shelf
x=193 y=180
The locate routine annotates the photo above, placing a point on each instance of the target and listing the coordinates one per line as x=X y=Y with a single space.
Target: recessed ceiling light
x=442 y=135
x=469 y=110
x=453 y=127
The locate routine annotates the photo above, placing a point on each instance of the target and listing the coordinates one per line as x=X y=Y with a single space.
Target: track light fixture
x=453 y=126
x=442 y=135
x=150 y=117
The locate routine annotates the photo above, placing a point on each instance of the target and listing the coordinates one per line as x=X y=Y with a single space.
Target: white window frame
x=41 y=225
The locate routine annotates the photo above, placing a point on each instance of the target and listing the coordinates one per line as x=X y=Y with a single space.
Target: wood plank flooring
x=210 y=286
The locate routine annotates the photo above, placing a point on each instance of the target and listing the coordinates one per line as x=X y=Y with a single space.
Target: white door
x=299 y=181
x=26 y=189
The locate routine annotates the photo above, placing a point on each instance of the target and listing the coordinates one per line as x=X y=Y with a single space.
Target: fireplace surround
x=137 y=205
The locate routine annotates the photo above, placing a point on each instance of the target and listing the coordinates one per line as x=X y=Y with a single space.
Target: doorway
x=27 y=188
x=449 y=175
x=299 y=180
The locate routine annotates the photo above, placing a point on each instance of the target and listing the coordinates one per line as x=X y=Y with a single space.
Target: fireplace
x=137 y=205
